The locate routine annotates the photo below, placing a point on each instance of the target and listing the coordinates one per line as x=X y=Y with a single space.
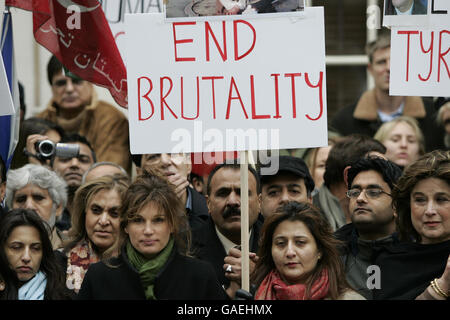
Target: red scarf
x=274 y=288
x=79 y=259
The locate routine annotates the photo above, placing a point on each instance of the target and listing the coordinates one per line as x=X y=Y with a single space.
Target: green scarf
x=149 y=268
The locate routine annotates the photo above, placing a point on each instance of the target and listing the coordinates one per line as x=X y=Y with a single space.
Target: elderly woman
x=28 y=268
x=40 y=189
x=403 y=140
x=299 y=259
x=95 y=226
x=153 y=262
x=419 y=267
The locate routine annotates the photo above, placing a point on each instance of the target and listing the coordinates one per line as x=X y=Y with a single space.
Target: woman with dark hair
x=28 y=267
x=419 y=267
x=153 y=262
x=95 y=226
x=299 y=259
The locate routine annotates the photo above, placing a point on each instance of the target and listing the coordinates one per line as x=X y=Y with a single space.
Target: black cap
x=287 y=164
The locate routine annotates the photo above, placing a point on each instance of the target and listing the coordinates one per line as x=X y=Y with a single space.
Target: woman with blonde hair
x=95 y=226
x=403 y=139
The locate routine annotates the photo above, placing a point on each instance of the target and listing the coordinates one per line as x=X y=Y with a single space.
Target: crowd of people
x=365 y=218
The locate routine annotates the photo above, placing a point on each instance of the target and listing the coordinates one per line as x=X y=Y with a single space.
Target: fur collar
x=366 y=108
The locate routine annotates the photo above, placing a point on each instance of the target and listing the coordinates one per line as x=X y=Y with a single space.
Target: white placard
x=226 y=83
x=420 y=56
x=7 y=106
x=115 y=11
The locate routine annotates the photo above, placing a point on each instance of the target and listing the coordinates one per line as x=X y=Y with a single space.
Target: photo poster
x=115 y=11
x=406 y=12
x=420 y=55
x=192 y=8
x=225 y=83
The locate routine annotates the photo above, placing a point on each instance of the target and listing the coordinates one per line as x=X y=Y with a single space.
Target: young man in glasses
x=75 y=107
x=370 y=183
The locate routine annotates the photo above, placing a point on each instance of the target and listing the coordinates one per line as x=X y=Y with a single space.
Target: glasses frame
x=381 y=191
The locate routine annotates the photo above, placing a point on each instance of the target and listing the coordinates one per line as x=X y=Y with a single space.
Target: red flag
x=77 y=33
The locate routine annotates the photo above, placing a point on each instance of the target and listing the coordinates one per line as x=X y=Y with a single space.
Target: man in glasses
x=74 y=106
x=370 y=183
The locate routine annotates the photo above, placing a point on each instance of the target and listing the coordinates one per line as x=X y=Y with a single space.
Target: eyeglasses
x=372 y=193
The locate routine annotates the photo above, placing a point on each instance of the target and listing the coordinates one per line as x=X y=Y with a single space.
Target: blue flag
x=9 y=125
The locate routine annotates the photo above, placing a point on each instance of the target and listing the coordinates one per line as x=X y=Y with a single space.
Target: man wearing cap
x=291 y=182
x=74 y=106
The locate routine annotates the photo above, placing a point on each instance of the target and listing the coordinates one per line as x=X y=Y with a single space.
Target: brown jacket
x=105 y=127
x=362 y=118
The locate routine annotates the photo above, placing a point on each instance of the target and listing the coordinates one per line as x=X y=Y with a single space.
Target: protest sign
x=226 y=83
x=420 y=59
x=115 y=15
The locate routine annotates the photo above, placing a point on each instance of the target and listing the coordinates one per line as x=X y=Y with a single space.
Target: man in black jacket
x=370 y=183
x=222 y=232
x=376 y=106
x=176 y=168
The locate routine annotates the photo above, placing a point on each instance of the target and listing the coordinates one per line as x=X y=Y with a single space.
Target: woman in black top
x=153 y=263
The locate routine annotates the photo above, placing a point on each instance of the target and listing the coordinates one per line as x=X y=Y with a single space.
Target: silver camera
x=46 y=149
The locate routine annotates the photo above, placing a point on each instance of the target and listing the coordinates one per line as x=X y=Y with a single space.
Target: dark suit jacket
x=182 y=278
x=418 y=8
x=199 y=213
x=207 y=246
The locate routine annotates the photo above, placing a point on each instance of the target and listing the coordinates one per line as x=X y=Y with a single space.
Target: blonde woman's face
x=402 y=144
x=319 y=165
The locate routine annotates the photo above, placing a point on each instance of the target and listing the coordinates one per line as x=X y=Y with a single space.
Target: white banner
x=420 y=55
x=226 y=83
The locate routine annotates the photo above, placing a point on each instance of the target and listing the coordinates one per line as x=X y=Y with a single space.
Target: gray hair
x=102 y=163
x=41 y=177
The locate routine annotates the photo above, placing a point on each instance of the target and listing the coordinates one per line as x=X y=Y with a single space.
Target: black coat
x=181 y=278
x=207 y=247
x=408 y=268
x=199 y=213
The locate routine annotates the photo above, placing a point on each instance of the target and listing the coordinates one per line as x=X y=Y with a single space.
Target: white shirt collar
x=227 y=243
x=408 y=12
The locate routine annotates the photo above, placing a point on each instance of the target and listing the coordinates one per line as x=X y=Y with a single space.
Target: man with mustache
x=222 y=232
x=370 y=183
x=72 y=170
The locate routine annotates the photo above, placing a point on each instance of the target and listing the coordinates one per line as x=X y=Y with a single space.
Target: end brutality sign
x=226 y=83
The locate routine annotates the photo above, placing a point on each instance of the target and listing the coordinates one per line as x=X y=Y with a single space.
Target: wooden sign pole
x=245 y=264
